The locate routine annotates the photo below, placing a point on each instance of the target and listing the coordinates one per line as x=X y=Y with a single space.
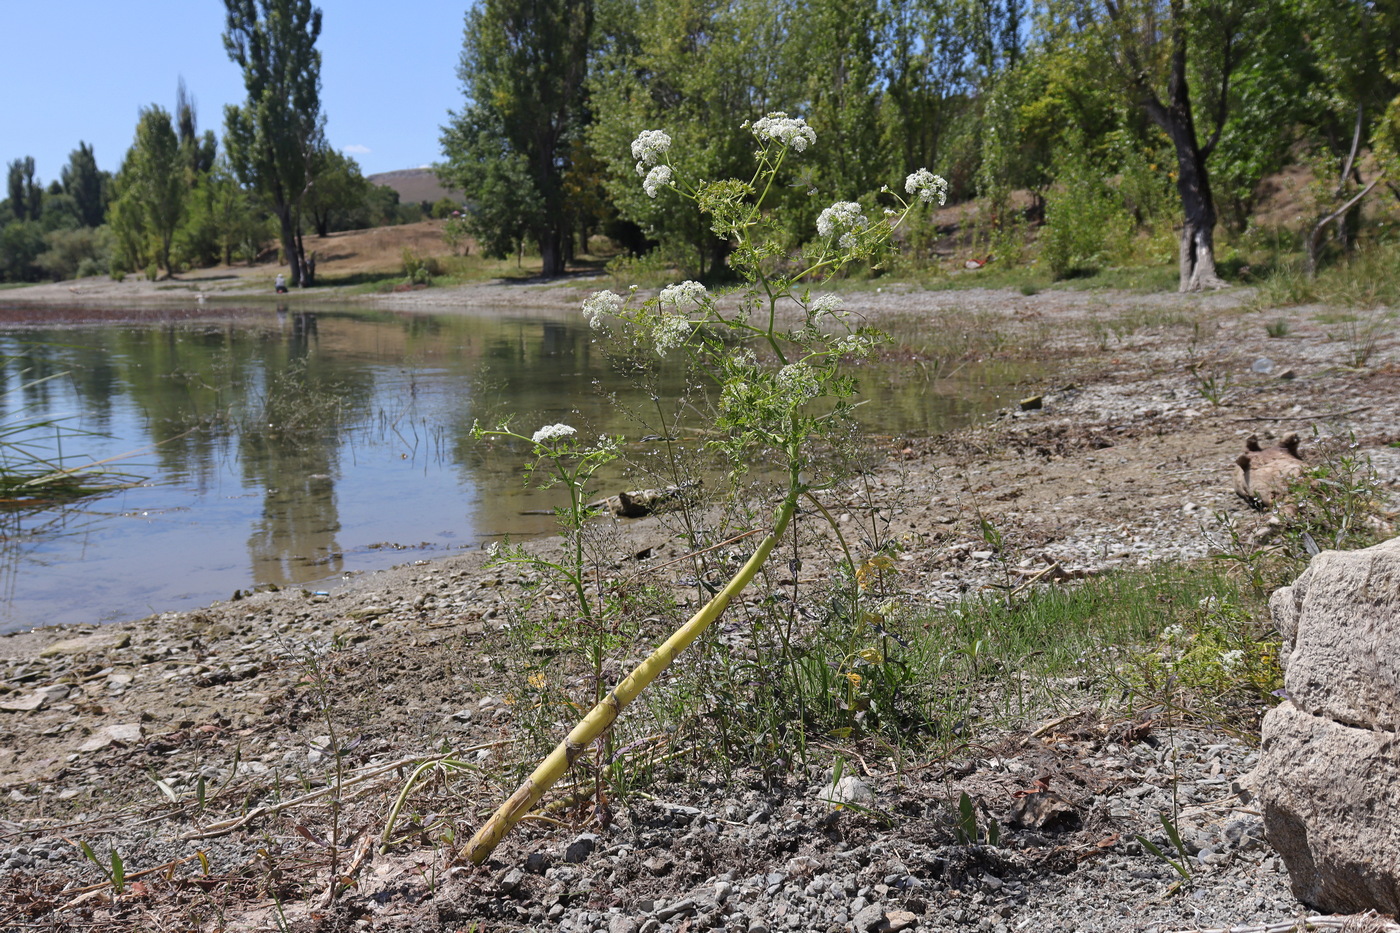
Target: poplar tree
x=84 y=182
x=509 y=150
x=274 y=138
x=152 y=188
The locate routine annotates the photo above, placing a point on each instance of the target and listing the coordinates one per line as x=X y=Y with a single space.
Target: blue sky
x=81 y=69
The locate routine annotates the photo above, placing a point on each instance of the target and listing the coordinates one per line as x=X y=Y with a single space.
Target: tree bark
x=1174 y=115
x=551 y=251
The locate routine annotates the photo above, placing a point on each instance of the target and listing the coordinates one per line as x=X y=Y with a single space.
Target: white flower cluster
x=687 y=291
x=600 y=304
x=1229 y=660
x=927 y=186
x=780 y=128
x=854 y=345
x=551 y=431
x=648 y=148
x=658 y=178
x=669 y=331
x=844 y=219
x=799 y=382
x=827 y=304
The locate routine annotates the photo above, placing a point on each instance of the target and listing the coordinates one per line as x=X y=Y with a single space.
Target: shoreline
x=1125 y=463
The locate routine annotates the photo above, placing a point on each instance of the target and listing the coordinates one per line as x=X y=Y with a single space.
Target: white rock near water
x=1329 y=773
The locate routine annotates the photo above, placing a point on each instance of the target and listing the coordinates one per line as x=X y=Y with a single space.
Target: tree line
x=1101 y=122
x=180 y=200
x=1118 y=118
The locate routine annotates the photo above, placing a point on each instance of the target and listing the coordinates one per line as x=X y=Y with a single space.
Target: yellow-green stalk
x=606 y=712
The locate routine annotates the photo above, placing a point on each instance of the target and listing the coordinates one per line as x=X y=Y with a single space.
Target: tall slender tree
x=152 y=182
x=522 y=69
x=84 y=183
x=274 y=138
x=26 y=195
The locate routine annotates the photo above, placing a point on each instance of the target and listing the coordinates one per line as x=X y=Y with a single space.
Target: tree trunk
x=290 y=250
x=1197 y=253
x=551 y=252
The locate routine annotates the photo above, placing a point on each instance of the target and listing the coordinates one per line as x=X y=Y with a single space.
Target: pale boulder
x=1329 y=772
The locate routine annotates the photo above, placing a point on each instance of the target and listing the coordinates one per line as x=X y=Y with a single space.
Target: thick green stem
x=605 y=713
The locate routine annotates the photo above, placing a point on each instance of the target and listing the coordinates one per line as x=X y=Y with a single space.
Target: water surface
x=291 y=448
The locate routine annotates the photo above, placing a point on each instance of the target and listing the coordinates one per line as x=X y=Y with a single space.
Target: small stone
x=117 y=734
x=96 y=642
x=897 y=920
x=511 y=880
x=29 y=704
x=581 y=847
x=621 y=923
x=869 y=918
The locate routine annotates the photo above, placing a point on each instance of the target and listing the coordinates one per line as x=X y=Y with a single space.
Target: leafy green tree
x=241 y=228
x=1356 y=50
x=702 y=69
x=505 y=207
x=523 y=67
x=75 y=252
x=21 y=243
x=1158 y=46
x=86 y=184
x=197 y=151
x=274 y=139
x=26 y=195
x=337 y=200
x=153 y=182
x=929 y=71
x=832 y=45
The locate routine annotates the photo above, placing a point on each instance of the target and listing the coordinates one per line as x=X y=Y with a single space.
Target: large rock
x=1329 y=770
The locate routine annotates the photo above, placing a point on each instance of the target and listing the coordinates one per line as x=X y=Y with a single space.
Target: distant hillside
x=414 y=184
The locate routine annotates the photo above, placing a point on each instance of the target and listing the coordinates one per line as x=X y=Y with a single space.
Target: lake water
x=290 y=448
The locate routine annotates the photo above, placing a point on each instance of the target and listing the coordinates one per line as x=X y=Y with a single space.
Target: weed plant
x=35 y=467
x=779 y=356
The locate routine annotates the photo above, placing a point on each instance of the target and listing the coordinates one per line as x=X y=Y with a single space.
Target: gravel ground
x=110 y=737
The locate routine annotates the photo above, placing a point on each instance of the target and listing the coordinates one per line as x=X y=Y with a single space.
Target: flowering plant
x=776 y=350
x=775 y=347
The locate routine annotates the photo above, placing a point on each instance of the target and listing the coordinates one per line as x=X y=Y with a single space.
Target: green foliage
x=339 y=198
x=21 y=245
x=1219 y=663
x=26 y=196
x=71 y=254
x=1339 y=501
x=509 y=150
x=966 y=829
x=151 y=189
x=1083 y=218
x=419 y=270
x=505 y=204
x=1182 y=863
x=274 y=138
x=658 y=66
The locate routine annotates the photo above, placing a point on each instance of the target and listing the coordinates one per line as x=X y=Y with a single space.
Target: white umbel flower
x=827 y=304
x=658 y=178
x=648 y=148
x=685 y=292
x=842 y=219
x=552 y=431
x=927 y=186
x=601 y=304
x=780 y=128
